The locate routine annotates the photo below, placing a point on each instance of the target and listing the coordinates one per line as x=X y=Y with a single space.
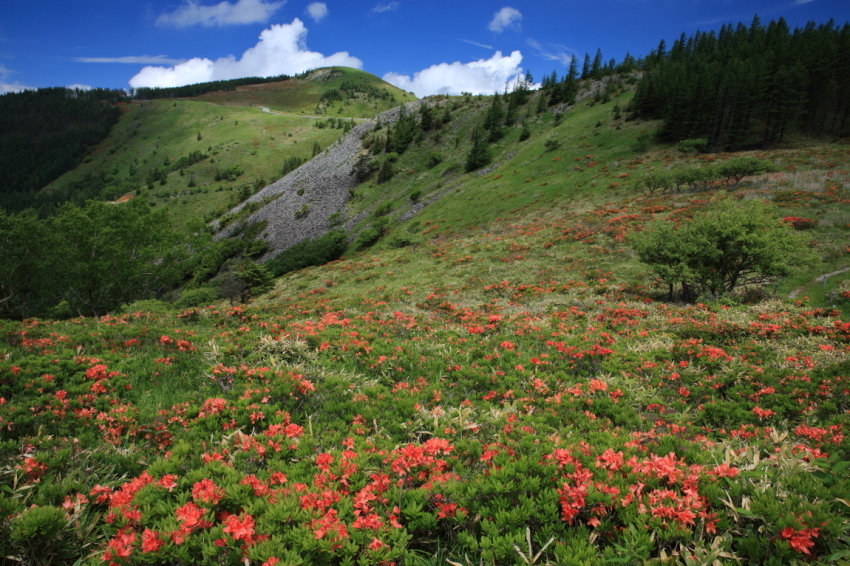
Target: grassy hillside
x=230 y=130
x=365 y=94
x=496 y=377
x=583 y=162
x=517 y=384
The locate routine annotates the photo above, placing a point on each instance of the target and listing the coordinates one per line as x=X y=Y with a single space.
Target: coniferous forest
x=45 y=132
x=748 y=87
x=152 y=93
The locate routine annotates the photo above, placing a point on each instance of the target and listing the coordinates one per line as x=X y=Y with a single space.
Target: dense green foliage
x=505 y=394
x=186 y=91
x=703 y=177
x=730 y=244
x=479 y=154
x=46 y=132
x=310 y=252
x=87 y=261
x=749 y=86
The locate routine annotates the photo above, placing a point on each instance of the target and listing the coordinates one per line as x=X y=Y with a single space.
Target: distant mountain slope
x=333 y=91
x=45 y=132
x=310 y=201
x=201 y=156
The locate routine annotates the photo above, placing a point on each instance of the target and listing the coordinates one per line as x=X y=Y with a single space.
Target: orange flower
x=240 y=529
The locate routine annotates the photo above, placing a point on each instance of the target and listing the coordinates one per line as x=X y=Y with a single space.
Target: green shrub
x=383 y=209
x=318 y=251
x=739 y=167
x=367 y=237
x=699 y=145
x=37 y=534
x=199 y=297
x=401 y=241
x=732 y=243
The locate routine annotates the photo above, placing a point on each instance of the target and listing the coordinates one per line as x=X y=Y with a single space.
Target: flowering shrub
x=513 y=404
x=800 y=223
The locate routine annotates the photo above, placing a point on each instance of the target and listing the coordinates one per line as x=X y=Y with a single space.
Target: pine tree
x=585 y=69
x=494 y=119
x=426 y=117
x=596 y=66
x=479 y=153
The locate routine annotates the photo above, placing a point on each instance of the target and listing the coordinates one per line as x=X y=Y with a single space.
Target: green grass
x=232 y=130
x=301 y=95
x=596 y=168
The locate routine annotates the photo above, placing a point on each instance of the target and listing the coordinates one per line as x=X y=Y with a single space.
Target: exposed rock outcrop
x=323 y=182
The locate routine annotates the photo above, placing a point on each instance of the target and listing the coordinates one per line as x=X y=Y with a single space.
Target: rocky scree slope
x=299 y=205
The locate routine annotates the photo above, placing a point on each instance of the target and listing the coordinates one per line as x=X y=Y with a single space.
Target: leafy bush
x=729 y=244
x=318 y=251
x=434 y=159
x=401 y=241
x=199 y=297
x=367 y=237
x=739 y=167
x=383 y=209
x=232 y=173
x=699 y=145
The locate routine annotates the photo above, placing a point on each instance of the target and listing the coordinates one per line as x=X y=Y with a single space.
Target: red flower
x=801 y=540
x=206 y=491
x=190 y=515
x=151 y=541
x=240 y=529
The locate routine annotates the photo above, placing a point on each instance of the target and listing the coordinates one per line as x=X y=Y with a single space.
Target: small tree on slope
x=731 y=243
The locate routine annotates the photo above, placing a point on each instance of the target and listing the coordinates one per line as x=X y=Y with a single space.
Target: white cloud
x=385 y=7
x=317 y=11
x=282 y=50
x=6 y=87
x=484 y=76
x=552 y=52
x=221 y=14
x=505 y=18
x=133 y=60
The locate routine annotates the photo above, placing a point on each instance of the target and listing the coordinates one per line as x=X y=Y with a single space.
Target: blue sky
x=424 y=46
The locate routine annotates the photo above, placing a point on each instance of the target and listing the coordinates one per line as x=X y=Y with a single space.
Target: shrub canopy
x=731 y=243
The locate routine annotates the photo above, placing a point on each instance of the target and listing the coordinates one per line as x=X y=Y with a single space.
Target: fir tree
x=479 y=153
x=494 y=119
x=585 y=68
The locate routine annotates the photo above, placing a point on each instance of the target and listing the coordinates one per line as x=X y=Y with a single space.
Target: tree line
x=747 y=87
x=94 y=259
x=87 y=260
x=187 y=91
x=46 y=132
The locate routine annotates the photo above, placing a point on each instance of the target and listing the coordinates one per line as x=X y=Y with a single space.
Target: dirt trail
x=819 y=279
x=270 y=111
